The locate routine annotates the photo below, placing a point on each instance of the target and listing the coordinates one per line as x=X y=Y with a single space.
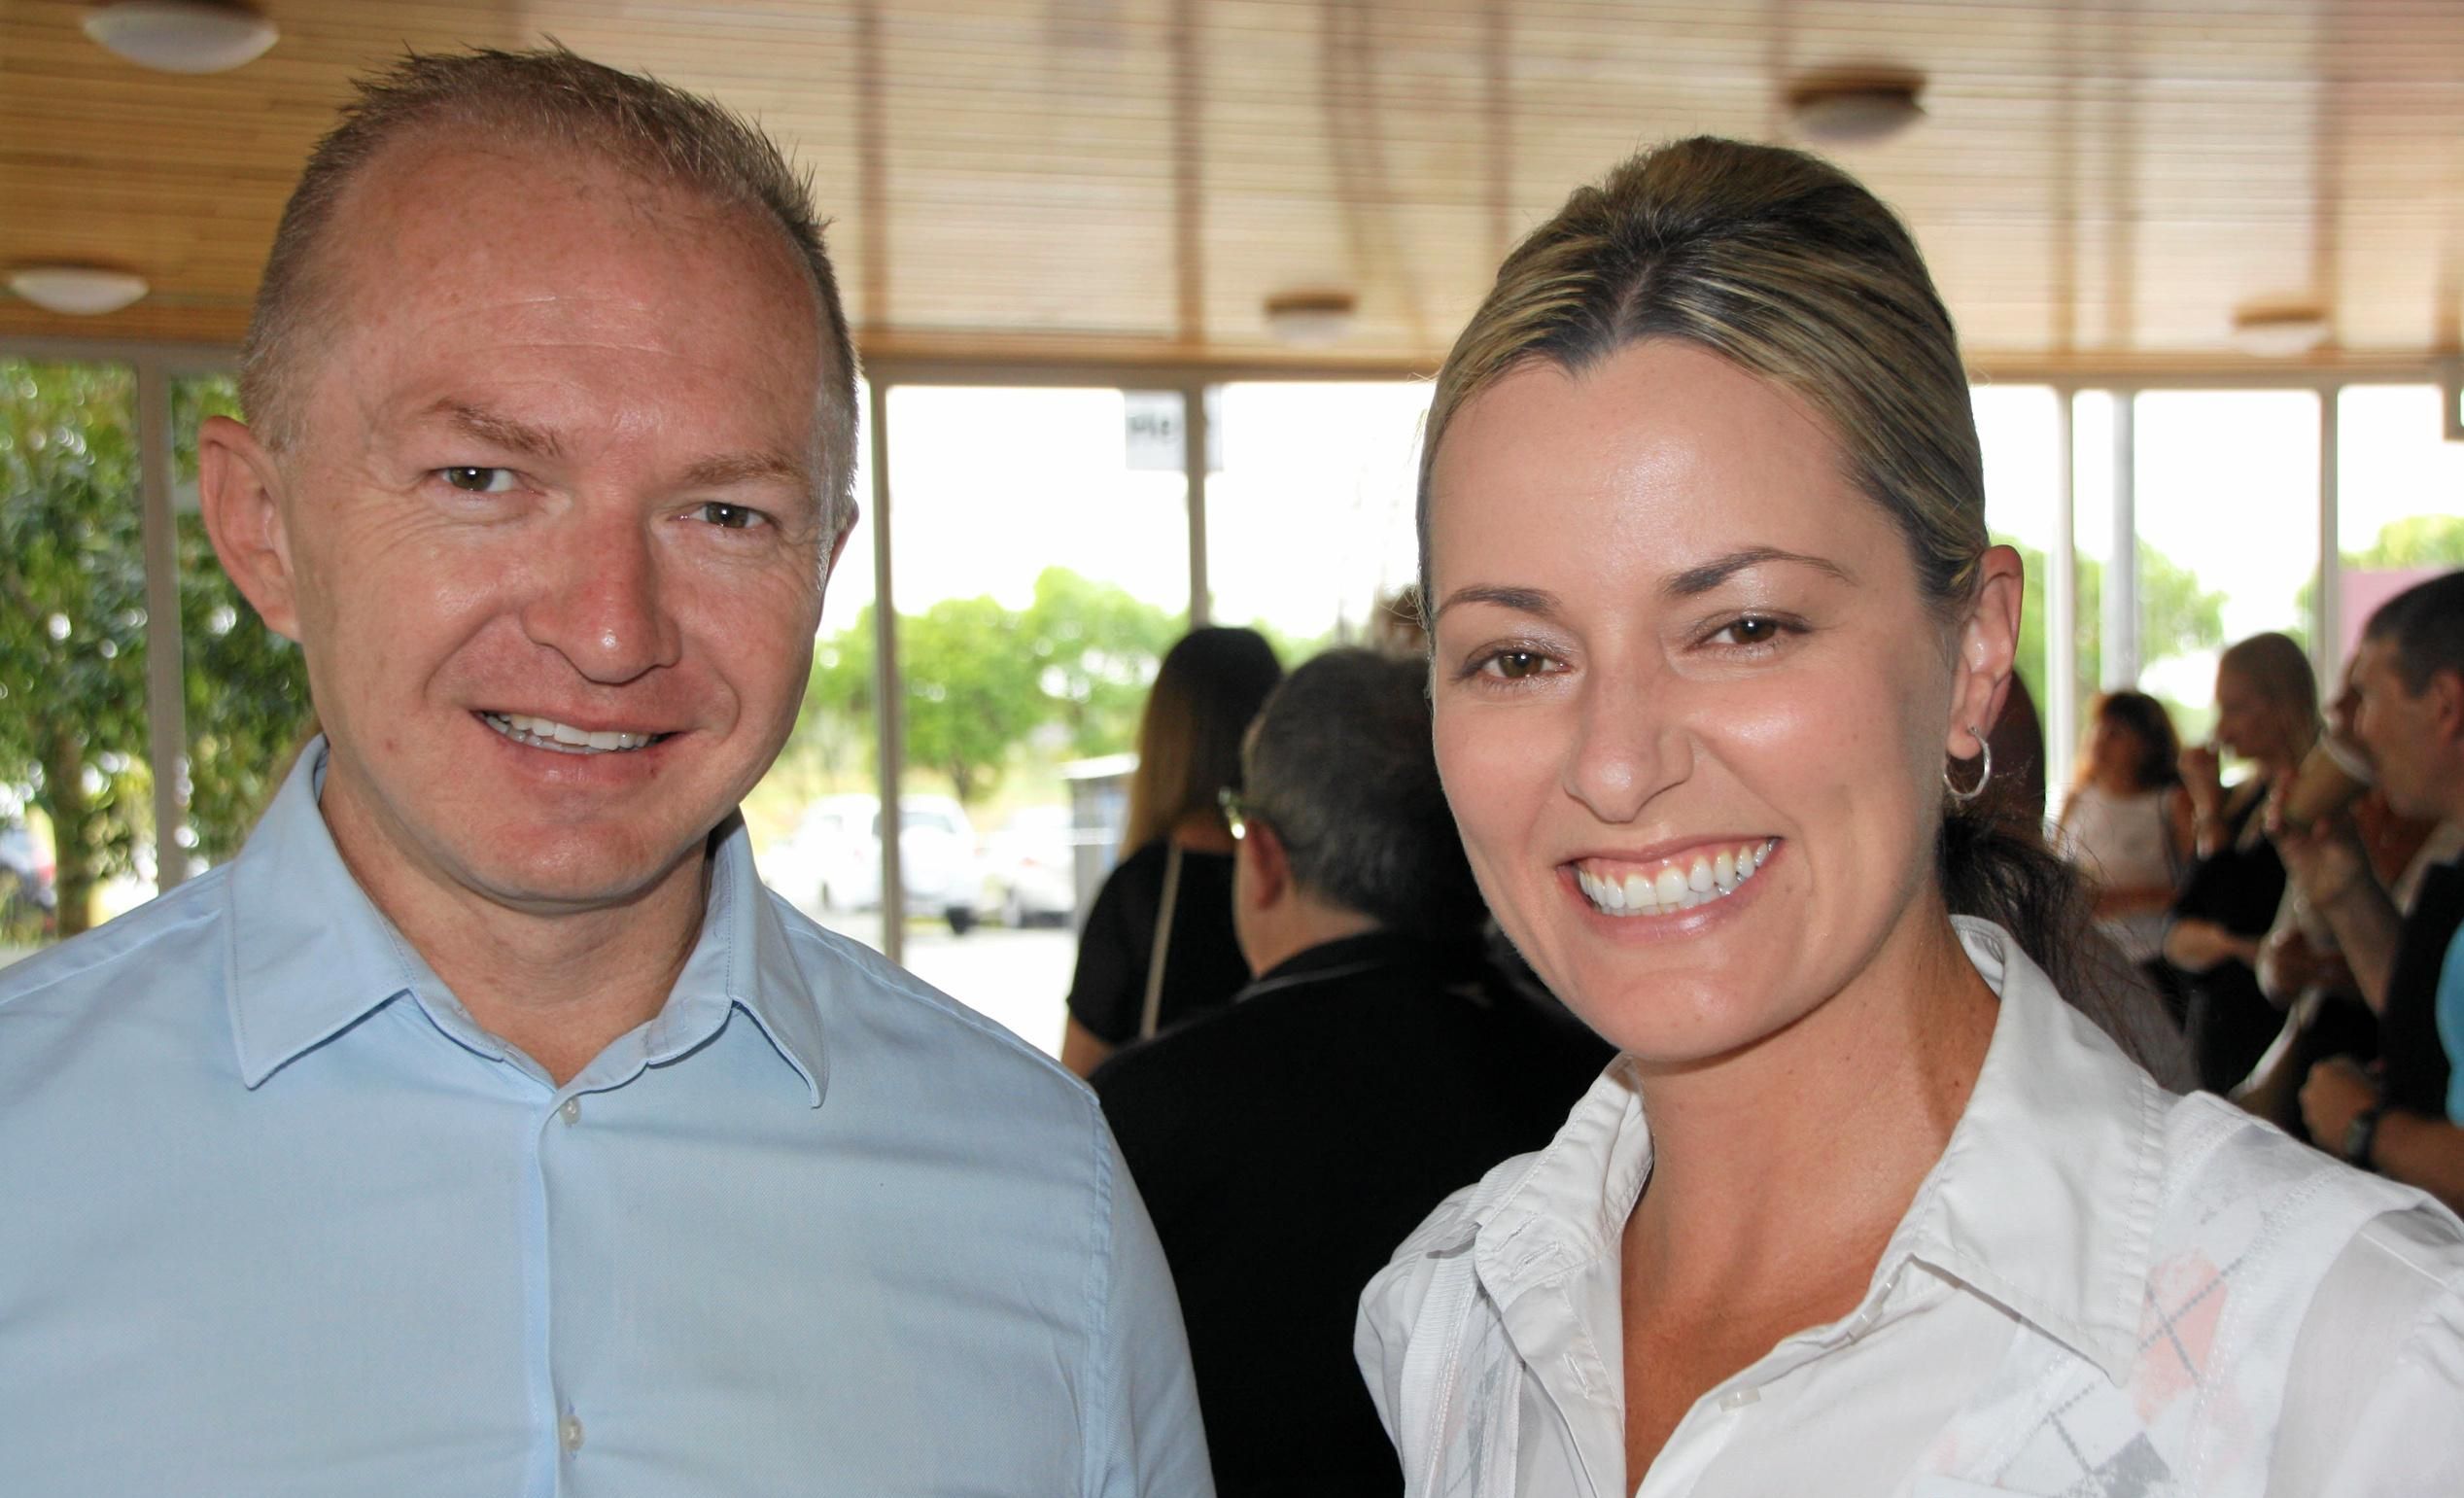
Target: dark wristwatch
x=2361 y=1135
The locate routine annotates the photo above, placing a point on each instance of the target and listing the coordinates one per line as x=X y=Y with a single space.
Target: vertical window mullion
x=888 y=716
x=166 y=716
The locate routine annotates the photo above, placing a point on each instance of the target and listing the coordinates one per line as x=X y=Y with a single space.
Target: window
x=1040 y=569
x=77 y=821
x=2399 y=499
x=1309 y=526
x=2226 y=505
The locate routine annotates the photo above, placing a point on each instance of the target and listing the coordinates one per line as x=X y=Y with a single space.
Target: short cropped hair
x=554 y=99
x=2425 y=624
x=1341 y=767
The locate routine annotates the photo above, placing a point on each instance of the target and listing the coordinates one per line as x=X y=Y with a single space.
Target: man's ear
x=1268 y=867
x=1987 y=645
x=2444 y=691
x=239 y=495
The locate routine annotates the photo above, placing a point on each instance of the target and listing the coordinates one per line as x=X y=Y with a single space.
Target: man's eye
x=474 y=480
x=732 y=517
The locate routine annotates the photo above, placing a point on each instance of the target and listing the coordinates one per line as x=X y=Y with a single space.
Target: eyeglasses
x=1235 y=811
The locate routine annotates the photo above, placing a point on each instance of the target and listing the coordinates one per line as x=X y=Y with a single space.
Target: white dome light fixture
x=2279 y=329
x=181 y=36
x=1855 y=109
x=76 y=291
x=1310 y=319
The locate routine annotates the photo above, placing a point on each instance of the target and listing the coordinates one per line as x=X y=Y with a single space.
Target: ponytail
x=1995 y=865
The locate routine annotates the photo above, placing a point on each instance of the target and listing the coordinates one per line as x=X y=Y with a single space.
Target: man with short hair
x=486 y=1127
x=1287 y=1144
x=2408 y=1121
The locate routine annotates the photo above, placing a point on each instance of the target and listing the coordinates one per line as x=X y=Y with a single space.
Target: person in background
x=486 y=1127
x=2127 y=826
x=1158 y=944
x=1376 y=1062
x=1873 y=1201
x=2266 y=713
x=2407 y=1119
x=2301 y=967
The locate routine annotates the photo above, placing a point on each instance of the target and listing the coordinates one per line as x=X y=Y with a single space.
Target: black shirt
x=2412 y=1055
x=2232 y=1024
x=1286 y=1146
x=1201 y=971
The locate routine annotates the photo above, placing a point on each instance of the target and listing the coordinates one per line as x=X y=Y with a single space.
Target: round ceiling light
x=1310 y=319
x=181 y=36
x=77 y=291
x=2279 y=329
x=1843 y=109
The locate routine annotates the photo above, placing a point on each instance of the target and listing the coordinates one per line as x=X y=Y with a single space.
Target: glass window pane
x=244 y=689
x=2399 y=498
x=2093 y=468
x=1309 y=520
x=2019 y=428
x=2226 y=489
x=76 y=792
x=1041 y=568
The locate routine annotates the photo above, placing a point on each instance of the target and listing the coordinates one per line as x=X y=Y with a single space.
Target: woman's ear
x=239 y=497
x=1987 y=645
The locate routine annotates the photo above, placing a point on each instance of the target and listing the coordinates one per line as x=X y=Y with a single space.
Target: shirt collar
x=311 y=956
x=1369 y=948
x=2044 y=1201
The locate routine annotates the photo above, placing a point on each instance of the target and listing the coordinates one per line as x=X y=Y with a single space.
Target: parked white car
x=839 y=847
x=1029 y=868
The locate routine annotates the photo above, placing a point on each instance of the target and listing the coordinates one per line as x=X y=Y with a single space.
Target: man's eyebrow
x=748 y=467
x=1534 y=601
x=500 y=430
x=1694 y=580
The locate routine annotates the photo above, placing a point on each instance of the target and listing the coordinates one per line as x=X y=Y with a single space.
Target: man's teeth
x=1676 y=886
x=548 y=734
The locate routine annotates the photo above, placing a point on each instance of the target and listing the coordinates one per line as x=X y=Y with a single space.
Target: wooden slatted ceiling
x=2097 y=185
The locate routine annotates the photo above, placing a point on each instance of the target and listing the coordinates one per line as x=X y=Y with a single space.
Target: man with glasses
x=1376 y=1062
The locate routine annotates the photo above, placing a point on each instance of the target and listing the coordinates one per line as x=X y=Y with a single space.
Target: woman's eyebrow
x=1532 y=600
x=1710 y=574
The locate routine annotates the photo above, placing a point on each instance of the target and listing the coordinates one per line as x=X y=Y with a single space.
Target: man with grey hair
x=1375 y=1063
x=486 y=1127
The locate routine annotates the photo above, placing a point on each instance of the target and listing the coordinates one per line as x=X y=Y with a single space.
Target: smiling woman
x=1865 y=1204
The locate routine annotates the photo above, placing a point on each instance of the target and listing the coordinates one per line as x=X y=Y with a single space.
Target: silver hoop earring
x=1964 y=798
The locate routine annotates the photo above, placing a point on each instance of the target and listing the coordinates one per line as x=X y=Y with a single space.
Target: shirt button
x=571 y=1111
x=570 y=1431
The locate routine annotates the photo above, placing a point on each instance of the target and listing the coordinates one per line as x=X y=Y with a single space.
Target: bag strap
x=1153 y=1012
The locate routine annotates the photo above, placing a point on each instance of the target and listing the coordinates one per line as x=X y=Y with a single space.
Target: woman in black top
x=2267 y=711
x=1177 y=875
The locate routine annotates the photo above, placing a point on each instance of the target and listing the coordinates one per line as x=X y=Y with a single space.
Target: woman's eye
x=476 y=480
x=730 y=517
x=1751 y=629
x=1515 y=665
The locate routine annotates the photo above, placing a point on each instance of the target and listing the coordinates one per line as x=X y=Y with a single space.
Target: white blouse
x=2124 y=843
x=2100 y=1291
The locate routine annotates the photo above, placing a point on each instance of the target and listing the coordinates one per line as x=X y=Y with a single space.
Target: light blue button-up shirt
x=276 y=1217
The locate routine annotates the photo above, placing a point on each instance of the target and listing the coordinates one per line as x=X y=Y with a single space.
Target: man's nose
x=602 y=601
x=1628 y=746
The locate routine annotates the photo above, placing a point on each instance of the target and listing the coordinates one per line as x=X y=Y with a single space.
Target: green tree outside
x=72 y=636
x=2176 y=616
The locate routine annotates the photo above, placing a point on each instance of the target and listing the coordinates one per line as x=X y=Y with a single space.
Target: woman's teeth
x=1675 y=887
x=564 y=738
